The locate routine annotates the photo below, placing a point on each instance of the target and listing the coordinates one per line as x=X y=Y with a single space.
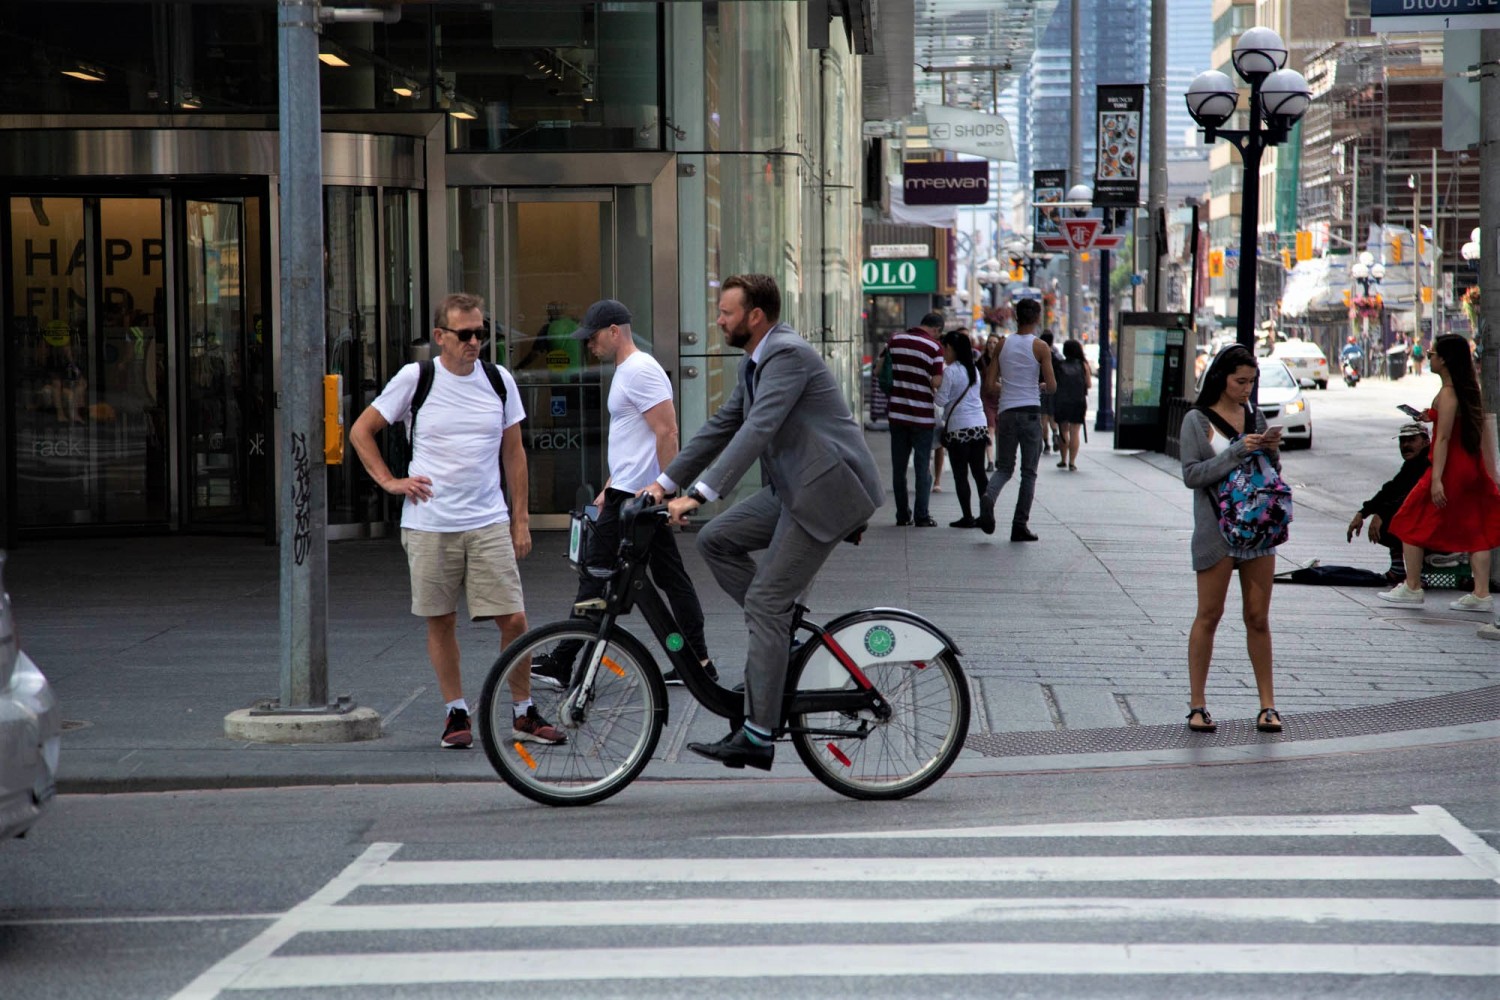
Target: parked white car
x=1304 y=359
x=1282 y=402
x=30 y=731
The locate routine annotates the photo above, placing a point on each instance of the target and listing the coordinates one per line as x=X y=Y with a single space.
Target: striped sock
x=755 y=734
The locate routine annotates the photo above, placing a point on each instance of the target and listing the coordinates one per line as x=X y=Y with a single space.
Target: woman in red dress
x=1455 y=506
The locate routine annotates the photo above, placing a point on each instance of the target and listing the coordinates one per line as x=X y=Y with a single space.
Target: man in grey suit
x=821 y=488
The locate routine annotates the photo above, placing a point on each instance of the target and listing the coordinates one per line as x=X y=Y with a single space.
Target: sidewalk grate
x=1463 y=707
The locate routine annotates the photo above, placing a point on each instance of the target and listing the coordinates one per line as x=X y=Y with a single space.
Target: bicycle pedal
x=592 y=604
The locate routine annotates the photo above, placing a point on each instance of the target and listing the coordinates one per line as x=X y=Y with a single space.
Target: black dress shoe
x=902 y=522
x=926 y=522
x=736 y=750
x=985 y=522
x=1018 y=534
x=963 y=522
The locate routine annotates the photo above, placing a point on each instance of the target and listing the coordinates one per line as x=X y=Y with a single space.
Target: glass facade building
x=541 y=155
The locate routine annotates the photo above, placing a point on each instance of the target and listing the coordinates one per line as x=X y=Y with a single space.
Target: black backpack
x=400 y=442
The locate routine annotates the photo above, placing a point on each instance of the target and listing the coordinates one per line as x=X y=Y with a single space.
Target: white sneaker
x=1402 y=594
x=1491 y=631
x=1469 y=602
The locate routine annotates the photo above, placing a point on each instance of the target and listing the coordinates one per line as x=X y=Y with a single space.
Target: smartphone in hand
x=1410 y=411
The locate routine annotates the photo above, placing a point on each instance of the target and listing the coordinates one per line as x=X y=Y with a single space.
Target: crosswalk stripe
x=700 y=912
x=1087 y=868
x=958 y=959
x=1370 y=825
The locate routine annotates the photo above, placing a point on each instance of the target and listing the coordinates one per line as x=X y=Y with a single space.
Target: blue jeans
x=907 y=443
x=1017 y=428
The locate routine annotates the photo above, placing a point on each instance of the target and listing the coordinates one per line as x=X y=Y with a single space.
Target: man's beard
x=739 y=336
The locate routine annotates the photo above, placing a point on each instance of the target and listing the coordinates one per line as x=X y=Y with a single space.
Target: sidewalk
x=151 y=642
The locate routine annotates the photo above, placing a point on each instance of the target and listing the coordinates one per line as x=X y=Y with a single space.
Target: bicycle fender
x=877 y=635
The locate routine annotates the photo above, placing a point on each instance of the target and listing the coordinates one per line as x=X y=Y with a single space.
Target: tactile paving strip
x=1479 y=705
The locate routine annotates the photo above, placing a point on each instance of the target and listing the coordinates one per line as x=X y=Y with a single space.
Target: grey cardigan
x=1202 y=470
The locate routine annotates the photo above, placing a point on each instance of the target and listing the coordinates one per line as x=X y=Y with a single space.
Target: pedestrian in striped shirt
x=916 y=356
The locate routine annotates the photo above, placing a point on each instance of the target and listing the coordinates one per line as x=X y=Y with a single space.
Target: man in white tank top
x=1025 y=365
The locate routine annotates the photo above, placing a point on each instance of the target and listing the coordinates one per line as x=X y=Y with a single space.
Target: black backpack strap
x=492 y=372
x=425 y=370
x=1222 y=425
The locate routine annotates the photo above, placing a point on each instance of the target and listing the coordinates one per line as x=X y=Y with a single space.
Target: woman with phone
x=1455 y=506
x=1218 y=433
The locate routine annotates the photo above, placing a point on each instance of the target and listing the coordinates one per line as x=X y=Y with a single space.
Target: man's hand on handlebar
x=654 y=493
x=679 y=509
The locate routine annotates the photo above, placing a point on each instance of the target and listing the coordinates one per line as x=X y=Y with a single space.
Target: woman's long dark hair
x=1229 y=359
x=1454 y=350
x=1073 y=350
x=963 y=351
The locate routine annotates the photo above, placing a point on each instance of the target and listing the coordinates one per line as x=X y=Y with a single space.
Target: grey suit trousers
x=766 y=589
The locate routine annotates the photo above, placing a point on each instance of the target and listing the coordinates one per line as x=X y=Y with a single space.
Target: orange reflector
x=840 y=755
x=612 y=665
x=521 y=751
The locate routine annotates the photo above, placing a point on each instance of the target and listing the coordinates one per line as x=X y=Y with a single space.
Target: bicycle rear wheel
x=606 y=748
x=865 y=758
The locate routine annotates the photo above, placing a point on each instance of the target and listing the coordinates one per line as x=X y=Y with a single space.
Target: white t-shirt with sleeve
x=640 y=383
x=968 y=410
x=457 y=445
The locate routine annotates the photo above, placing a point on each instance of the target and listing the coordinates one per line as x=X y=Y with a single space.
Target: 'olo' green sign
x=899 y=277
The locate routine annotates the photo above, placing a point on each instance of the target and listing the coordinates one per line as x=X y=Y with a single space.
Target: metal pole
x=1249 y=226
x=1416 y=254
x=1354 y=236
x=1489 y=223
x=1436 y=271
x=302 y=506
x=1195 y=246
x=1156 y=191
x=1075 y=158
x=1104 y=414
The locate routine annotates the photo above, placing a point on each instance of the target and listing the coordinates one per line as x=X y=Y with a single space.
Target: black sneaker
x=457 y=734
x=674 y=679
x=986 y=520
x=1020 y=533
x=549 y=672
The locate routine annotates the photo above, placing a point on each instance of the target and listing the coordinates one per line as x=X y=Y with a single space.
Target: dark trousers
x=967 y=457
x=664 y=564
x=1016 y=429
x=908 y=443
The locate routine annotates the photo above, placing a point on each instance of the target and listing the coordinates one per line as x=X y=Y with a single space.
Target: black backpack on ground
x=400 y=443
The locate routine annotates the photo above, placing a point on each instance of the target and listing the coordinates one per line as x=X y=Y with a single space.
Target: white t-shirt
x=968 y=411
x=457 y=445
x=640 y=383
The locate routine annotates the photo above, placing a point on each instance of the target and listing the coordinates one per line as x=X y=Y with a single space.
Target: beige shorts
x=481 y=561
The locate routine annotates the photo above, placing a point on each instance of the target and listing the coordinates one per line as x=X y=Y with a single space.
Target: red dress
x=1470 y=522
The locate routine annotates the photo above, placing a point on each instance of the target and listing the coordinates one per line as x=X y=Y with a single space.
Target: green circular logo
x=880 y=640
x=674 y=642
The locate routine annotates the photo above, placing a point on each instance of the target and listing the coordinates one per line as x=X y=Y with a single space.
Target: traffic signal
x=1348 y=297
x=1395 y=250
x=1286 y=258
x=1216 y=263
x=1304 y=245
x=1427 y=295
x=1017 y=272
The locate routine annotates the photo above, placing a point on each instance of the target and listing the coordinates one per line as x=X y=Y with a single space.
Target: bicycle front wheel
x=866 y=758
x=608 y=741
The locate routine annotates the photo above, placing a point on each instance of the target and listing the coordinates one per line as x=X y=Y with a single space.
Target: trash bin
x=1395 y=361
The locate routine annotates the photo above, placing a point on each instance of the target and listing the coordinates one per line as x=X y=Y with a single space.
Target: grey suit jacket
x=811 y=449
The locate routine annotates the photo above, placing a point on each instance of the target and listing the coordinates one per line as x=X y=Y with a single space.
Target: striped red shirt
x=916 y=356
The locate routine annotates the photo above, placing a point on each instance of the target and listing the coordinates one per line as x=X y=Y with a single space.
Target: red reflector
x=840 y=755
x=919 y=664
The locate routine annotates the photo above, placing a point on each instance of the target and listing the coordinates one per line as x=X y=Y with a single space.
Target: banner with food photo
x=1047 y=189
x=1117 y=167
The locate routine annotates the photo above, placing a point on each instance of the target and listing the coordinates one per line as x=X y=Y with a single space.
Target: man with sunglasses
x=456 y=526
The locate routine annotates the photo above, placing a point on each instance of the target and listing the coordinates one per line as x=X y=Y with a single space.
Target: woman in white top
x=961 y=419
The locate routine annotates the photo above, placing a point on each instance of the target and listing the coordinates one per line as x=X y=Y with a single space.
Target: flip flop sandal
x=1268 y=721
x=1208 y=725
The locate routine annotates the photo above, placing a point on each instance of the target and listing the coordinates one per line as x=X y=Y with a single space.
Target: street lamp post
x=1366 y=270
x=992 y=277
x=1278 y=98
x=1020 y=254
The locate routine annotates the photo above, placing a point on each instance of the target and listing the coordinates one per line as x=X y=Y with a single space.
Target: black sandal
x=1208 y=726
x=1268 y=721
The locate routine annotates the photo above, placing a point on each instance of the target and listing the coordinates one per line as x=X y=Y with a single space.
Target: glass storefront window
x=565 y=75
x=64 y=57
x=352 y=321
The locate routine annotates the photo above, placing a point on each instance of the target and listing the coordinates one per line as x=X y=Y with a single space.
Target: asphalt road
x=1369 y=875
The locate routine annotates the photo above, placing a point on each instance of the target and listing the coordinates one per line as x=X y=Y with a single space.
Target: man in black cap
x=642 y=442
x=1380 y=508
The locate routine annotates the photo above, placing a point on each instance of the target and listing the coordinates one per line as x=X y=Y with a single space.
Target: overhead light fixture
x=189 y=102
x=403 y=87
x=86 y=72
x=588 y=92
x=329 y=55
x=462 y=111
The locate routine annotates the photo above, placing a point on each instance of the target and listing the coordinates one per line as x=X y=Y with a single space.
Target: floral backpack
x=1253 y=501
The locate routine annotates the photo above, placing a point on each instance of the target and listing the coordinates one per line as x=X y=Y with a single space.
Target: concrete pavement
x=151 y=641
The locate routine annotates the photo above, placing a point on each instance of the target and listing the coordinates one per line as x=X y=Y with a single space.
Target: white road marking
x=1467 y=841
x=1367 y=825
x=701 y=912
x=757 y=962
x=184 y=918
x=258 y=950
x=1087 y=868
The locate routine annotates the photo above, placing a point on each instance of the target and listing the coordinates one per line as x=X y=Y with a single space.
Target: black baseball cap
x=605 y=312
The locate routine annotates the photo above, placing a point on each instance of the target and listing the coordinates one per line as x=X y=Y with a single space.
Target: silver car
x=30 y=730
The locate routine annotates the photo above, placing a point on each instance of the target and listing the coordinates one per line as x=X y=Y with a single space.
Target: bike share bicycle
x=877 y=704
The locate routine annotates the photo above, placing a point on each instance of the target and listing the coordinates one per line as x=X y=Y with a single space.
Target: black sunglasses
x=464 y=336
